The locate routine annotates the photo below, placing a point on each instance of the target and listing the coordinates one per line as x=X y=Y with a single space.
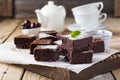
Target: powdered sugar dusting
x=59 y=42
x=44 y=35
x=49 y=46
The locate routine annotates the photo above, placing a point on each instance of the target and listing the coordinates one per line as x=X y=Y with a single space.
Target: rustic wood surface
x=9 y=28
x=117 y=8
x=6 y=7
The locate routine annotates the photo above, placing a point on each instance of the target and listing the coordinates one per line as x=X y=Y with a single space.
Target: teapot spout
x=41 y=18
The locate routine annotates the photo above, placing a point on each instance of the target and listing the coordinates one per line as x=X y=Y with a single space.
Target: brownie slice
x=80 y=57
x=39 y=42
x=98 y=45
x=78 y=45
x=46 y=53
x=23 y=41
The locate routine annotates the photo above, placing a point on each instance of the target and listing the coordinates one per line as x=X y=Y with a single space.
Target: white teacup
x=89 y=16
x=89 y=8
x=90 y=21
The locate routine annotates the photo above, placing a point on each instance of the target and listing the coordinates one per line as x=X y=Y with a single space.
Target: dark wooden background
x=6 y=7
x=25 y=8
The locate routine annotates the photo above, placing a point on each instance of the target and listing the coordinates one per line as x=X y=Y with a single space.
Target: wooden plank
x=13 y=73
x=7 y=27
x=3 y=69
x=116 y=74
x=115 y=43
x=117 y=8
x=107 y=76
x=9 y=8
x=32 y=76
x=15 y=33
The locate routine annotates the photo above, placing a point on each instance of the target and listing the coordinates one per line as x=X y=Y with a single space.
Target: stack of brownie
x=78 y=50
x=49 y=45
x=46 y=46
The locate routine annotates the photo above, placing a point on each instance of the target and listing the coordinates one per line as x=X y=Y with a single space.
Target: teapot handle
x=63 y=10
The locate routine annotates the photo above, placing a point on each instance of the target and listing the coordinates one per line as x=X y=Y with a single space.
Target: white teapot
x=51 y=17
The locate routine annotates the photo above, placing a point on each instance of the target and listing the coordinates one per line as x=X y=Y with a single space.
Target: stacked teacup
x=89 y=18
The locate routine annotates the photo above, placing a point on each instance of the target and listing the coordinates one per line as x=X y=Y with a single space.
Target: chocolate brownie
x=82 y=44
x=23 y=41
x=80 y=57
x=52 y=32
x=98 y=45
x=46 y=52
x=39 y=42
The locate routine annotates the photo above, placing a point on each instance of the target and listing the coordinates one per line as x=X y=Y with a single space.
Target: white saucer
x=73 y=27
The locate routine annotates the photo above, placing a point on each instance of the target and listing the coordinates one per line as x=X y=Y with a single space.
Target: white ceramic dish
x=33 y=31
x=74 y=27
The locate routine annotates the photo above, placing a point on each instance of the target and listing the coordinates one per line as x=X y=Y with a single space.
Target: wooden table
x=9 y=28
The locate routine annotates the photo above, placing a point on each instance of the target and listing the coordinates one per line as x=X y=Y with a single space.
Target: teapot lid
x=50 y=2
x=49 y=7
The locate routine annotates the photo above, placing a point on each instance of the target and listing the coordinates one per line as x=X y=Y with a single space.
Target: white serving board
x=11 y=55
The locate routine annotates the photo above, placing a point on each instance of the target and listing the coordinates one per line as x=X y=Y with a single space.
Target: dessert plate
x=73 y=27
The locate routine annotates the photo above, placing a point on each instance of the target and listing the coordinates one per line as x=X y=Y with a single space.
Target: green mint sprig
x=75 y=33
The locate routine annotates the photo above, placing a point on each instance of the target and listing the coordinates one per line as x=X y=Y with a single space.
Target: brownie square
x=23 y=41
x=46 y=53
x=80 y=57
x=39 y=42
x=98 y=45
x=78 y=45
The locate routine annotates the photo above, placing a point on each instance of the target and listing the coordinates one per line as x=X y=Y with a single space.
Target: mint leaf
x=75 y=33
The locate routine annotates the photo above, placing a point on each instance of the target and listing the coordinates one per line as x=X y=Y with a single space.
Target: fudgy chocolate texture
x=46 y=54
x=52 y=32
x=23 y=41
x=80 y=57
x=39 y=42
x=78 y=51
x=78 y=45
x=98 y=45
